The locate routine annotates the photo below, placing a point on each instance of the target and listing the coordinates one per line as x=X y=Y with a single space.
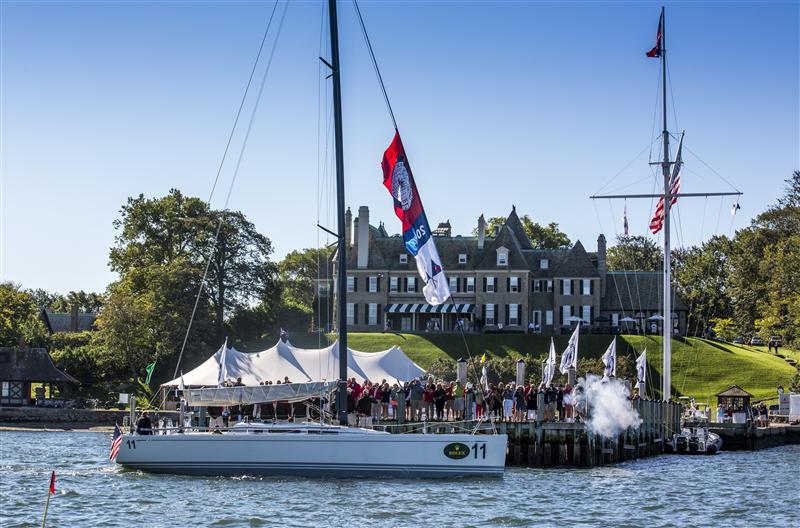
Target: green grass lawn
x=700 y=368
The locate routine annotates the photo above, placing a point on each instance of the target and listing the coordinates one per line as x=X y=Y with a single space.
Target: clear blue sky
x=537 y=104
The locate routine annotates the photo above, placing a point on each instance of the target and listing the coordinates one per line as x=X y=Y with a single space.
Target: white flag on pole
x=570 y=356
x=610 y=359
x=223 y=367
x=641 y=369
x=550 y=365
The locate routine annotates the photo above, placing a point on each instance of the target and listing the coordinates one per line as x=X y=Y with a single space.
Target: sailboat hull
x=341 y=454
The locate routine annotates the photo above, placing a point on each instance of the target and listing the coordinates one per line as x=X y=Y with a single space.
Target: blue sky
x=537 y=104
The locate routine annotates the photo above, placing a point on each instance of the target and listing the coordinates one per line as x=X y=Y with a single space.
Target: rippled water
x=741 y=488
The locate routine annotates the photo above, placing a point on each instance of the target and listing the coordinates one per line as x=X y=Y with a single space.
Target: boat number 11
x=479 y=450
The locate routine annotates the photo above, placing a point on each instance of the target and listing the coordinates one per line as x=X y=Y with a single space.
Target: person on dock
x=416 y=396
x=520 y=404
x=439 y=397
x=508 y=402
x=427 y=398
x=531 y=401
x=480 y=403
x=449 y=413
x=458 y=401
x=560 y=402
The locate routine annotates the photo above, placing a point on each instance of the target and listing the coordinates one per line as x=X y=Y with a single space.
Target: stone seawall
x=90 y=417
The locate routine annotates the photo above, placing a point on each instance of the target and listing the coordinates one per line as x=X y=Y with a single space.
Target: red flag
x=53 y=483
x=656 y=51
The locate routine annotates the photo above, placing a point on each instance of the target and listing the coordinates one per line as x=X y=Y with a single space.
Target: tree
x=765 y=262
x=240 y=273
x=634 y=253
x=300 y=273
x=19 y=318
x=701 y=276
x=56 y=302
x=541 y=236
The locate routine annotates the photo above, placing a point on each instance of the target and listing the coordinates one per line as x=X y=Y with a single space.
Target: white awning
x=429 y=308
x=292 y=392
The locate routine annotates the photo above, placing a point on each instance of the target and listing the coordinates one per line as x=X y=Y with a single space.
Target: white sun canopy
x=301 y=366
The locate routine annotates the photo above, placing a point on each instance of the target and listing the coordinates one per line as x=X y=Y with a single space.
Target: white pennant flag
x=223 y=367
x=550 y=365
x=641 y=369
x=570 y=356
x=610 y=360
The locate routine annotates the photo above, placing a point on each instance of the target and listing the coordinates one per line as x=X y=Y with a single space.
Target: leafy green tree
x=240 y=273
x=19 y=318
x=634 y=253
x=541 y=236
x=724 y=328
x=701 y=279
x=765 y=261
x=300 y=273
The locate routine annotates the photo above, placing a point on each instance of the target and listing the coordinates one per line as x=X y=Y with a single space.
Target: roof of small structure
x=735 y=391
x=62 y=322
x=30 y=364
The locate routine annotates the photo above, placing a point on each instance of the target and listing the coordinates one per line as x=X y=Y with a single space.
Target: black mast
x=341 y=278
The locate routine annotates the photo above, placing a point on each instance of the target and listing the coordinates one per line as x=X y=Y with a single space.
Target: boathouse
x=21 y=368
x=736 y=400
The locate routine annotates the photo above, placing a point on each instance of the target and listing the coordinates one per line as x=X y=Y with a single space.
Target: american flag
x=115 y=443
x=657 y=222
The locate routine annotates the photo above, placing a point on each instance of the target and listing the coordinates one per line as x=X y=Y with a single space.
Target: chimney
x=363 y=236
x=348 y=228
x=481 y=231
x=73 y=317
x=601 y=263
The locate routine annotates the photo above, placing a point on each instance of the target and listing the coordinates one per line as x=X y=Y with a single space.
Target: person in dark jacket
x=560 y=402
x=439 y=397
x=143 y=425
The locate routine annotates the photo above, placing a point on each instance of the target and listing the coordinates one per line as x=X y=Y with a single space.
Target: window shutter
x=405 y=284
x=355 y=284
x=380 y=314
x=416 y=284
x=379 y=283
x=484 y=285
x=561 y=316
x=355 y=313
x=572 y=289
x=591 y=287
x=507 y=314
x=484 y=314
x=508 y=284
x=591 y=313
x=561 y=286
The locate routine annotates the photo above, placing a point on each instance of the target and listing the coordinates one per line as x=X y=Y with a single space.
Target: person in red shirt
x=427 y=397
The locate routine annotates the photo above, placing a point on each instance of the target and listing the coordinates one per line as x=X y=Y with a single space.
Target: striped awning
x=428 y=308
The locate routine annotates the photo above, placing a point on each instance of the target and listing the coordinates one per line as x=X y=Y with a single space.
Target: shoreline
x=50 y=427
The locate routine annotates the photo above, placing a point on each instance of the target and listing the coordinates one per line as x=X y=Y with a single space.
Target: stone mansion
x=499 y=283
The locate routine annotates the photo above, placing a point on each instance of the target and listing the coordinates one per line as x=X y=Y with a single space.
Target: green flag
x=149 y=369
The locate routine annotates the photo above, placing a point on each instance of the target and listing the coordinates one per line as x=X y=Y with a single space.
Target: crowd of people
x=439 y=400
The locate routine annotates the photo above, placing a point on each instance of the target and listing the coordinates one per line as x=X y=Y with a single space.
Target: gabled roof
x=504 y=239
x=735 y=391
x=62 y=322
x=30 y=364
x=640 y=290
x=515 y=224
x=577 y=263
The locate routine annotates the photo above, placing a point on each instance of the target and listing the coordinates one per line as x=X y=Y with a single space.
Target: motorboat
x=694 y=438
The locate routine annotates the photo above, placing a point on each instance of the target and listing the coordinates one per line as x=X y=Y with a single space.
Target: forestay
x=291 y=392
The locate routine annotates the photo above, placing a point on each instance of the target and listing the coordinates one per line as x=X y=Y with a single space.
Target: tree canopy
x=634 y=253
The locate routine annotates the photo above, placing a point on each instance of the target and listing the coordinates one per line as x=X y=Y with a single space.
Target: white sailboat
x=312 y=449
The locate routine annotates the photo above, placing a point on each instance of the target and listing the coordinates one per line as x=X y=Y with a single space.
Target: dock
x=748 y=437
x=538 y=443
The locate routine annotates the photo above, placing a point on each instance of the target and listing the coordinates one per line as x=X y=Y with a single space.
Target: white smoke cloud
x=610 y=410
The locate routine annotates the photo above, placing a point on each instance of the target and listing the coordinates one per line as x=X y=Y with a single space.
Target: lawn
x=700 y=368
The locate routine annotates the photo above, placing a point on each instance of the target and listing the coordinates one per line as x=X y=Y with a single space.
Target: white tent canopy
x=301 y=366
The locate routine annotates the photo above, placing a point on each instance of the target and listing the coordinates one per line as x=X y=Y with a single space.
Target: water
x=736 y=488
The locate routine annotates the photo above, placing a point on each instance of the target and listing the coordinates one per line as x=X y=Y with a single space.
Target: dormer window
x=462 y=258
x=544 y=264
x=502 y=257
x=403 y=258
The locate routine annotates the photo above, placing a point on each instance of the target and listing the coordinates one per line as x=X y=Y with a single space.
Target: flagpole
x=50 y=491
x=666 y=325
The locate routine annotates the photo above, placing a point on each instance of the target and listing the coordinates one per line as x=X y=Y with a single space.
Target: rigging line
x=709 y=167
x=627 y=186
x=374 y=62
x=650 y=146
x=625 y=272
x=241 y=104
x=230 y=187
x=672 y=97
x=613 y=275
x=319 y=187
x=655 y=115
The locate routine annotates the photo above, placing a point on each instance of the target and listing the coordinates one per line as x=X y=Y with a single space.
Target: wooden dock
x=550 y=444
